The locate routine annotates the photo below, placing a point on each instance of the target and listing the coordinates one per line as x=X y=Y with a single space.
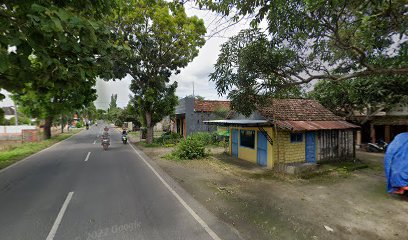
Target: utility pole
x=16 y=114
x=193 y=91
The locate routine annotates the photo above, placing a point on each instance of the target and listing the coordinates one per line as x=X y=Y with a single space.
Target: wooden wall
x=334 y=145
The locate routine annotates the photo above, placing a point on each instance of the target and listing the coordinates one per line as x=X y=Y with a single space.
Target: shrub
x=168 y=139
x=206 y=138
x=78 y=124
x=190 y=148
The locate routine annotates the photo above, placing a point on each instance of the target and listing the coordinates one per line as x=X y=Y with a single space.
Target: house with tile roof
x=191 y=113
x=9 y=112
x=286 y=131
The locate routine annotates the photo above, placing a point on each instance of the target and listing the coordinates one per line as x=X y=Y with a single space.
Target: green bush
x=78 y=124
x=206 y=138
x=168 y=139
x=189 y=148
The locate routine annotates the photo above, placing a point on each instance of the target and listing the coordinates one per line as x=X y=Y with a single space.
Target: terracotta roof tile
x=296 y=110
x=210 y=105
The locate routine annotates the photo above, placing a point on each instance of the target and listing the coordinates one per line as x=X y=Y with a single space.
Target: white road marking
x=203 y=224
x=87 y=156
x=61 y=213
x=94 y=142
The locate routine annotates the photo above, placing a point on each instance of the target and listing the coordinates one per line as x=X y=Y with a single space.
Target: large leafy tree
x=53 y=50
x=53 y=103
x=366 y=96
x=321 y=39
x=163 y=39
x=244 y=70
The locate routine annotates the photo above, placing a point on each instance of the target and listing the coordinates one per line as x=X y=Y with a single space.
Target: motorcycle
x=124 y=139
x=380 y=146
x=105 y=143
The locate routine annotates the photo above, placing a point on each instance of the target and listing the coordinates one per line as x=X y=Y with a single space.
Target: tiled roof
x=296 y=110
x=210 y=105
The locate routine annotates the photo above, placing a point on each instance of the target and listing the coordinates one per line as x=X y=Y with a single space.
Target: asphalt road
x=77 y=191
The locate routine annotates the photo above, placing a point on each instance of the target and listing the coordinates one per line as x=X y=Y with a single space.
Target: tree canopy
x=314 y=40
x=52 y=52
x=163 y=39
x=366 y=96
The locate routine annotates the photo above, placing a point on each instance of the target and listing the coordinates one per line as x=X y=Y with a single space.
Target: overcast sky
x=196 y=72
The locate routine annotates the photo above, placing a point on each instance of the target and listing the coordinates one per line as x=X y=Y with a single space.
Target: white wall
x=15 y=129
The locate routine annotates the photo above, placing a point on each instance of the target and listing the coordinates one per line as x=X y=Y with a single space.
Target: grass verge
x=15 y=154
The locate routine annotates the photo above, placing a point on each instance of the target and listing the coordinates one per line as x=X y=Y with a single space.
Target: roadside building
x=9 y=112
x=191 y=114
x=289 y=131
x=384 y=125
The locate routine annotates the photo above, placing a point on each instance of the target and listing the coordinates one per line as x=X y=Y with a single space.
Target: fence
x=13 y=133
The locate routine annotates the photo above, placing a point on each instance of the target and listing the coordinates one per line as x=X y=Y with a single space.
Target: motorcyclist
x=105 y=134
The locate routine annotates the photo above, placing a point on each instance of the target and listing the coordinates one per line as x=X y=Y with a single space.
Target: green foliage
x=2 y=119
x=163 y=39
x=308 y=40
x=205 y=138
x=245 y=70
x=52 y=53
x=365 y=95
x=168 y=139
x=79 y=124
x=189 y=148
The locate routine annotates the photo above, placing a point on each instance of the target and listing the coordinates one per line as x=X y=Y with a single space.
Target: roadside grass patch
x=24 y=150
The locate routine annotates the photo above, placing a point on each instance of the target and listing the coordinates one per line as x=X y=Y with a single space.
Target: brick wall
x=286 y=152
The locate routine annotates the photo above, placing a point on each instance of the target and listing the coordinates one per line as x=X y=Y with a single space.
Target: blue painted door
x=310 y=147
x=262 y=150
x=234 y=142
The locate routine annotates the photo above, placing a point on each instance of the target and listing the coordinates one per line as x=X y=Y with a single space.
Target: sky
x=195 y=73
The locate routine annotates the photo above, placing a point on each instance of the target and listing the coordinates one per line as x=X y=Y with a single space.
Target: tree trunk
x=62 y=124
x=47 y=127
x=149 y=128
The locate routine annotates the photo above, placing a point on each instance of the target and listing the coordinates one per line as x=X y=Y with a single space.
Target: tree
x=66 y=39
x=53 y=51
x=367 y=96
x=52 y=103
x=163 y=40
x=113 y=111
x=130 y=114
x=315 y=40
x=244 y=70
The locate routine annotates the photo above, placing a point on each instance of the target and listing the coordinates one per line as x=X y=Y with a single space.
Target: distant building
x=382 y=126
x=190 y=114
x=9 y=112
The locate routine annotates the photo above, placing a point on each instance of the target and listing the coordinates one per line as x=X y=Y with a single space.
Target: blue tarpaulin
x=396 y=163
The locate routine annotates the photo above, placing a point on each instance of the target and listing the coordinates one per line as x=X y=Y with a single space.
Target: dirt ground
x=262 y=204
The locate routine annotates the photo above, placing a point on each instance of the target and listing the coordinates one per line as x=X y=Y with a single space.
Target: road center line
x=87 y=156
x=57 y=222
x=203 y=224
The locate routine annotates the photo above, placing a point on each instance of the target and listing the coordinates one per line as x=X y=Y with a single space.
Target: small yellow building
x=289 y=131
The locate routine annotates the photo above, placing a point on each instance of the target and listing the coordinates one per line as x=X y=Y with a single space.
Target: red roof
x=210 y=105
x=296 y=110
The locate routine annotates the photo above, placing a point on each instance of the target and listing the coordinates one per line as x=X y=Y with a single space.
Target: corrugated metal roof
x=314 y=125
x=238 y=122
